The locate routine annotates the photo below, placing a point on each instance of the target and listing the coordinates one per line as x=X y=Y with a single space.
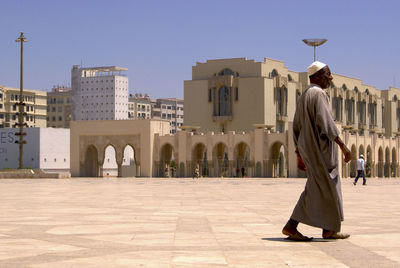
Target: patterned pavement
x=206 y=222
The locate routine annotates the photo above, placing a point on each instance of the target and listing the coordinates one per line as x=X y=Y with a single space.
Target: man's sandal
x=334 y=235
x=295 y=235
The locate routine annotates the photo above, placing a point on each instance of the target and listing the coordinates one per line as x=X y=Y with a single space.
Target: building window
x=236 y=94
x=224 y=101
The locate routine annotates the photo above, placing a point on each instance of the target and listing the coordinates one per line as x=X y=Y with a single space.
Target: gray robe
x=320 y=204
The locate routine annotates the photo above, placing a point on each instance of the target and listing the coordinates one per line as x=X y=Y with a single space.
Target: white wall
x=49 y=143
x=54 y=149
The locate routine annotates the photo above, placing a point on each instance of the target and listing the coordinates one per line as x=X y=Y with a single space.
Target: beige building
x=139 y=106
x=170 y=109
x=35 y=107
x=59 y=107
x=240 y=117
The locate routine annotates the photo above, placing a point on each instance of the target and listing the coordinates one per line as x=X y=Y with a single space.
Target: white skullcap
x=315 y=67
x=361 y=155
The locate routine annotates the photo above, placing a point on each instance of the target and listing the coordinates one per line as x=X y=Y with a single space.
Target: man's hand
x=300 y=163
x=347 y=153
x=345 y=150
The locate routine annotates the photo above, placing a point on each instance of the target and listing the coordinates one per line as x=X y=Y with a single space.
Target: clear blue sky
x=160 y=41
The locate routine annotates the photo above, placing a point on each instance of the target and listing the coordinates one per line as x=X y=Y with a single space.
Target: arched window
x=278 y=101
x=226 y=71
x=356 y=89
x=395 y=97
x=344 y=87
x=224 y=101
x=274 y=73
x=289 y=77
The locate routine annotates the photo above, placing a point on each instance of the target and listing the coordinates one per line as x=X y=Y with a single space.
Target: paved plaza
x=212 y=222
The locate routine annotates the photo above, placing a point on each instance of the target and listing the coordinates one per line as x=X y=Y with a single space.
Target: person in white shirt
x=360 y=170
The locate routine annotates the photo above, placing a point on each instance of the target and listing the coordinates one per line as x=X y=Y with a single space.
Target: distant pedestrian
x=196 y=172
x=166 y=171
x=242 y=172
x=360 y=170
x=237 y=172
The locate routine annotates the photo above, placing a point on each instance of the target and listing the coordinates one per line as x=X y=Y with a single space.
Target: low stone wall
x=32 y=174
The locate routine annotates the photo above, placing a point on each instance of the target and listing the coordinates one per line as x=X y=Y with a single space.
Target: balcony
x=362 y=125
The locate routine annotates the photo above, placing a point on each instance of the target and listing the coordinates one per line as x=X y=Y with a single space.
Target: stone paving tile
x=209 y=222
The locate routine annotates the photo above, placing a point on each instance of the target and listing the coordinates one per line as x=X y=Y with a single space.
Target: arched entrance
x=353 y=161
x=387 y=162
x=199 y=158
x=242 y=158
x=129 y=165
x=91 y=165
x=167 y=161
x=394 y=166
x=279 y=165
x=380 y=162
x=220 y=160
x=110 y=166
x=369 y=165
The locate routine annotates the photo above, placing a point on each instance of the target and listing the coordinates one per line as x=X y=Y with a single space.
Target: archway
x=278 y=158
x=258 y=169
x=380 y=162
x=387 y=162
x=369 y=165
x=353 y=161
x=168 y=165
x=199 y=158
x=242 y=158
x=110 y=166
x=394 y=166
x=220 y=159
x=129 y=165
x=91 y=165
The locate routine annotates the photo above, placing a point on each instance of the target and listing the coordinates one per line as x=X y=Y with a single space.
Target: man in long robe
x=316 y=135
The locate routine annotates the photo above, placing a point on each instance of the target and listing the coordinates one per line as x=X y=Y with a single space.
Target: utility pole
x=21 y=39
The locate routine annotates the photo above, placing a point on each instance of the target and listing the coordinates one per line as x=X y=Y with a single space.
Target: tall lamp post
x=21 y=39
x=314 y=43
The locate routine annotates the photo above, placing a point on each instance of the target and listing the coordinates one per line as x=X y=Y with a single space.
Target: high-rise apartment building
x=139 y=106
x=35 y=107
x=170 y=109
x=99 y=93
x=59 y=107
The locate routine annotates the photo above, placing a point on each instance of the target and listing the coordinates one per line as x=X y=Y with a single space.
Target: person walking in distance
x=360 y=170
x=315 y=134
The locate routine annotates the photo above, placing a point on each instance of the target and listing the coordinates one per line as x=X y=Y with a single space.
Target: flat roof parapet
x=106 y=69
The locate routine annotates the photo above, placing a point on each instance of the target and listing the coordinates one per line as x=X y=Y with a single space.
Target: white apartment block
x=139 y=106
x=99 y=93
x=170 y=109
x=34 y=109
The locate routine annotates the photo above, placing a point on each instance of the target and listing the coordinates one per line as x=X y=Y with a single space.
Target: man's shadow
x=286 y=240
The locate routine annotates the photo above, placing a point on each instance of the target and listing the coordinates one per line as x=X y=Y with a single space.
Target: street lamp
x=21 y=39
x=314 y=43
